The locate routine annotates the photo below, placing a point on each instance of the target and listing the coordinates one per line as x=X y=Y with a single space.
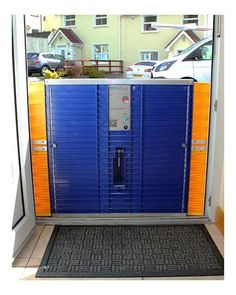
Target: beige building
x=120 y=37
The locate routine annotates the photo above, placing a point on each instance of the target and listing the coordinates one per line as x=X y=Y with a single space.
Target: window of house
x=148 y=55
x=147 y=21
x=100 y=51
x=70 y=20
x=190 y=19
x=100 y=19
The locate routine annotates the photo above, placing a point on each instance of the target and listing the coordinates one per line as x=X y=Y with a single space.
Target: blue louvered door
x=153 y=149
x=166 y=141
x=73 y=150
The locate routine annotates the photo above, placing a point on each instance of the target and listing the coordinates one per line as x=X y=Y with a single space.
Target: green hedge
x=94 y=73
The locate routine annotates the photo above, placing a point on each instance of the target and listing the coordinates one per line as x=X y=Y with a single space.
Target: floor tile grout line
x=35 y=245
x=31 y=252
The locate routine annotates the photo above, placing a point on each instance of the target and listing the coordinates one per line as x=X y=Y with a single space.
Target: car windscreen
x=32 y=55
x=145 y=63
x=195 y=45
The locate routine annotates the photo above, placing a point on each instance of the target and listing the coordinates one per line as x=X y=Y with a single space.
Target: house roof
x=188 y=33
x=39 y=34
x=69 y=34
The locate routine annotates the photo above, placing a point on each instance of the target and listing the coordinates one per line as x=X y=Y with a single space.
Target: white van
x=194 y=62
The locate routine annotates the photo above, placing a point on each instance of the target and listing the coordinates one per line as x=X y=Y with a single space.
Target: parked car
x=193 y=62
x=40 y=62
x=141 y=69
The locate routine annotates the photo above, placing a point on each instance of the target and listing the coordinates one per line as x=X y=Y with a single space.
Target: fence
x=108 y=66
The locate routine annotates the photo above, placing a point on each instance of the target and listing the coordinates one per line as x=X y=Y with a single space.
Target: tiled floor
x=29 y=258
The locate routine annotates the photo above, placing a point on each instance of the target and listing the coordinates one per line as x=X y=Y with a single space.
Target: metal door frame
x=23 y=229
x=211 y=182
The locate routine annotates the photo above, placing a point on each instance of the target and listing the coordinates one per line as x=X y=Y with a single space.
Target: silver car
x=40 y=62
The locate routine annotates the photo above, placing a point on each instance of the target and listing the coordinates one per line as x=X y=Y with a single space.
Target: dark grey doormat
x=130 y=251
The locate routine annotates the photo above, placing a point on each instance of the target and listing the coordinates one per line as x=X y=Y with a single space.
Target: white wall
x=35 y=44
x=33 y=21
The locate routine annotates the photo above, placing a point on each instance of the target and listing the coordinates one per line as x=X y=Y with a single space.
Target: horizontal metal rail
x=119 y=81
x=121 y=219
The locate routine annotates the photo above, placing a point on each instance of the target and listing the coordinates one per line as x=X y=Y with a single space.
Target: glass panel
x=98 y=22
x=190 y=16
x=101 y=20
x=70 y=23
x=104 y=48
x=154 y=55
x=70 y=17
x=147 y=27
x=206 y=51
x=97 y=48
x=145 y=56
x=190 y=19
x=151 y=18
x=101 y=56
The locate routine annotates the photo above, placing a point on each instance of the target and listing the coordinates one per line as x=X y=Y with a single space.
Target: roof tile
x=70 y=35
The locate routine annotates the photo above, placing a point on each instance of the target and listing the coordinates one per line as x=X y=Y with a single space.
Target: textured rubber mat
x=130 y=251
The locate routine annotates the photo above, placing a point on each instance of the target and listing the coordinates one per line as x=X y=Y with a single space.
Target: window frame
x=143 y=22
x=193 y=18
x=95 y=19
x=93 y=50
x=149 y=51
x=65 y=20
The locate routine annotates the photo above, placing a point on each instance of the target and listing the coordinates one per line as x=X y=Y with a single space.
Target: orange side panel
x=201 y=111
x=198 y=165
x=39 y=158
x=37 y=111
x=41 y=189
x=197 y=183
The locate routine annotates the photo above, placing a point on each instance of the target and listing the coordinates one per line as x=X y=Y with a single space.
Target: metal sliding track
x=121 y=219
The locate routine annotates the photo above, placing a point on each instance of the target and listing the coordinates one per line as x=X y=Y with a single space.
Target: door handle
x=118 y=166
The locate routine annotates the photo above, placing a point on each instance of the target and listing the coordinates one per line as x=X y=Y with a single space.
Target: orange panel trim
x=200 y=127
x=39 y=158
